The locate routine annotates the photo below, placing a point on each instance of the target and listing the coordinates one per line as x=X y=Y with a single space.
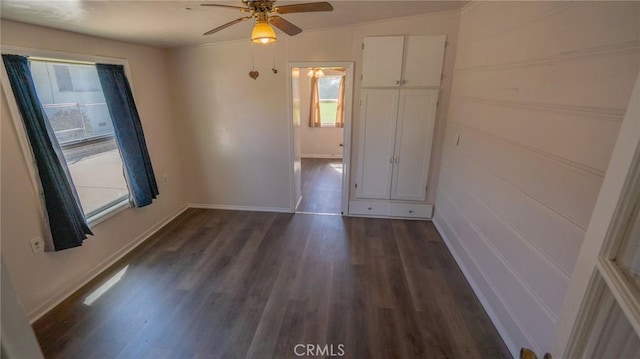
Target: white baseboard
x=240 y=208
x=515 y=351
x=320 y=155
x=45 y=307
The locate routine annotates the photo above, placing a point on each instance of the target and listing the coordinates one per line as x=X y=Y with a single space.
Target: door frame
x=346 y=130
x=594 y=271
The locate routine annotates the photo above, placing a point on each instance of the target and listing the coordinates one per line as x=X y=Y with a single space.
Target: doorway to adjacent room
x=321 y=95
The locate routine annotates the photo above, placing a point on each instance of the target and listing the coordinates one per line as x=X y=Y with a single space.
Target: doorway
x=320 y=114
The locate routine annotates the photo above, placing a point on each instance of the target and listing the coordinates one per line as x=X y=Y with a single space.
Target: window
x=328 y=89
x=72 y=98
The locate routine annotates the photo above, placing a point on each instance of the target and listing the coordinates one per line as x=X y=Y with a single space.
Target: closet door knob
x=403 y=82
x=398 y=82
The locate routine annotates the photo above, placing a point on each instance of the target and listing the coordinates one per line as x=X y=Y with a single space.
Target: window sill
x=108 y=213
x=327 y=126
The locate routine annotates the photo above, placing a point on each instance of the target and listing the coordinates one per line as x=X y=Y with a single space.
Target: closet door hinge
x=360 y=103
x=356 y=185
x=363 y=45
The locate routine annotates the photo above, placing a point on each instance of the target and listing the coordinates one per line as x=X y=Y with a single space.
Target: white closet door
x=378 y=115
x=424 y=56
x=382 y=61
x=414 y=134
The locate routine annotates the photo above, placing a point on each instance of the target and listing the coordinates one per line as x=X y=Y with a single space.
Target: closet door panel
x=414 y=138
x=378 y=116
x=382 y=61
x=423 y=60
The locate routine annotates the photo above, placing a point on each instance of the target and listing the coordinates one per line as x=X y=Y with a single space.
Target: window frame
x=66 y=58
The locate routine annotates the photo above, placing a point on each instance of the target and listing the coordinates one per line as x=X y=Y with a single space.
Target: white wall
x=538 y=96
x=236 y=131
x=321 y=142
x=44 y=279
x=316 y=142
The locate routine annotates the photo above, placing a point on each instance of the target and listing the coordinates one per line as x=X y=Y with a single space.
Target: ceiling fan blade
x=308 y=7
x=284 y=25
x=227 y=6
x=222 y=27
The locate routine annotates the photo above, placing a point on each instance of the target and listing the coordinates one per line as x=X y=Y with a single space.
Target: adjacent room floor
x=321 y=186
x=227 y=284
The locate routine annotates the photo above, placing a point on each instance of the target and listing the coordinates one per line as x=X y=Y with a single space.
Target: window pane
x=63 y=77
x=328 y=110
x=628 y=256
x=85 y=78
x=612 y=336
x=72 y=98
x=329 y=87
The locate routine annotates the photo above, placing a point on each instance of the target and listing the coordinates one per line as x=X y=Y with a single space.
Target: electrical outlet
x=165 y=179
x=37 y=245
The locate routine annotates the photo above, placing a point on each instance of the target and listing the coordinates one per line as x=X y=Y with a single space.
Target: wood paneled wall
x=539 y=91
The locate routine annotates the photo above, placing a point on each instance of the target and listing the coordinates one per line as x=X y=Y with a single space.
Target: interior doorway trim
x=348 y=114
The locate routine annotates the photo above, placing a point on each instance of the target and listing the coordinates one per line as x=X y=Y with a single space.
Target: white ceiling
x=180 y=23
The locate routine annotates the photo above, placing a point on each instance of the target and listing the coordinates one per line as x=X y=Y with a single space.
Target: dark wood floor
x=225 y=284
x=321 y=185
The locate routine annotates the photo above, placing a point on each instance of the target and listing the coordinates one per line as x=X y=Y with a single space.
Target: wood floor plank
x=357 y=240
x=225 y=284
x=267 y=333
x=290 y=331
x=360 y=330
x=321 y=185
x=389 y=344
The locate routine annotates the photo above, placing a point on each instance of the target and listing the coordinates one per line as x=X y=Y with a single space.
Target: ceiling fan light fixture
x=263 y=33
x=266 y=14
x=317 y=73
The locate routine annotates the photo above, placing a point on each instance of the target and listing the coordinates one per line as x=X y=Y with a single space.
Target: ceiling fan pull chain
x=273 y=48
x=253 y=58
x=253 y=73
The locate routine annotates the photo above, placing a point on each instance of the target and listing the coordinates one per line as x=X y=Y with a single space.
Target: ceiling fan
x=266 y=13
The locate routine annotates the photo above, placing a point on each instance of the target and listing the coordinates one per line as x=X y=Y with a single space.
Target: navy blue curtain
x=129 y=135
x=66 y=218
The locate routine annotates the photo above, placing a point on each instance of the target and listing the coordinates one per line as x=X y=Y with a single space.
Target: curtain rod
x=46 y=59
